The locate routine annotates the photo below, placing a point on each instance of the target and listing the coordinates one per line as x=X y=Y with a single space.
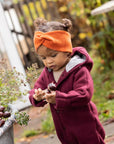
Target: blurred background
x=94 y=32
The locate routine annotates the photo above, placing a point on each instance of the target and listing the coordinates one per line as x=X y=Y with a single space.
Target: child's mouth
x=52 y=67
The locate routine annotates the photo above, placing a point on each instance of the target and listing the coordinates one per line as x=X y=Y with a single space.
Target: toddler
x=74 y=114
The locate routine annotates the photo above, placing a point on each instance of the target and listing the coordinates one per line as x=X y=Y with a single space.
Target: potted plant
x=10 y=81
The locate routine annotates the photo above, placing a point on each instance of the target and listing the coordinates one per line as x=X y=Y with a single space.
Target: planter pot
x=6 y=131
x=7 y=136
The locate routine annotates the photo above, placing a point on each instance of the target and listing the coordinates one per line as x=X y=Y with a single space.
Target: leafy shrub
x=10 y=81
x=32 y=74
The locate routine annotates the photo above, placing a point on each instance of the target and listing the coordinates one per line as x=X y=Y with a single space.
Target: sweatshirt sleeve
x=80 y=95
x=40 y=83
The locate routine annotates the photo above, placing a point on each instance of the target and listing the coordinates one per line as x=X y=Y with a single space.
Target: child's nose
x=49 y=60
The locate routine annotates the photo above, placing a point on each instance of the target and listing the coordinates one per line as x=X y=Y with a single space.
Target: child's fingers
x=43 y=97
x=50 y=98
x=50 y=95
x=37 y=91
x=41 y=92
x=35 y=96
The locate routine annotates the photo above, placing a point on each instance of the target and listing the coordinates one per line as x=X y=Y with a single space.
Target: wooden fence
x=24 y=13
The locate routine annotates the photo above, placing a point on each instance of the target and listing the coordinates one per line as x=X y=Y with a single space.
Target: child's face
x=53 y=59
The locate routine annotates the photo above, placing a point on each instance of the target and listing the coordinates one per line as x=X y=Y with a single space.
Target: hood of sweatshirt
x=79 y=57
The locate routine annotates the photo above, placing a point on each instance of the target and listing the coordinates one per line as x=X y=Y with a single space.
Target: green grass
x=48 y=125
x=30 y=133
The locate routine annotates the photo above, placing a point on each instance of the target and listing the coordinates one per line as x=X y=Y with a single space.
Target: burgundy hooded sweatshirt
x=75 y=115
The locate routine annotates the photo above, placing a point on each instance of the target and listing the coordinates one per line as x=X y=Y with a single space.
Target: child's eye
x=43 y=58
x=54 y=55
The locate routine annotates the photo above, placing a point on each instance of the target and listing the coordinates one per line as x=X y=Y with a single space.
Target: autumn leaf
x=63 y=9
x=82 y=35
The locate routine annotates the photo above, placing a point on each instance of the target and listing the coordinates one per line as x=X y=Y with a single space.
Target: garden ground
x=37 y=115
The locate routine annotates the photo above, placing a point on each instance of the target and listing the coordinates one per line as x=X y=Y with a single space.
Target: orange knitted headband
x=57 y=40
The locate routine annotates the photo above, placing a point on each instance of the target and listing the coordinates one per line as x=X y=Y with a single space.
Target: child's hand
x=50 y=97
x=39 y=94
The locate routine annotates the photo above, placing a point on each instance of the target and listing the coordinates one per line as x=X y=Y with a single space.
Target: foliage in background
x=97 y=31
x=102 y=27
x=103 y=79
